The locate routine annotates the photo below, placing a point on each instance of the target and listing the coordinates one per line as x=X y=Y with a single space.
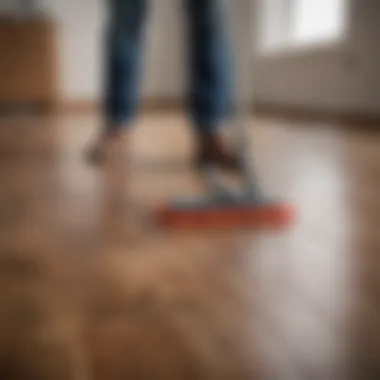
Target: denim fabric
x=210 y=64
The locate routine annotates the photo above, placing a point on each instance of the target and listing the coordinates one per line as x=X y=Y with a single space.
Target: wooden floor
x=91 y=289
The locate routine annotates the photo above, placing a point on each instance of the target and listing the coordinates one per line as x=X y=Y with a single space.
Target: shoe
x=96 y=154
x=214 y=150
x=108 y=146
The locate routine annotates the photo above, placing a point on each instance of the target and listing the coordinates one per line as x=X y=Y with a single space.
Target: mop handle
x=242 y=38
x=242 y=20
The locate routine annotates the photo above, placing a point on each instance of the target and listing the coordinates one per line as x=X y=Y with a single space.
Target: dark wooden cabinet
x=28 y=64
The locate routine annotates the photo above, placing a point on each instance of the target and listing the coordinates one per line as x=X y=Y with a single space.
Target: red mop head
x=255 y=216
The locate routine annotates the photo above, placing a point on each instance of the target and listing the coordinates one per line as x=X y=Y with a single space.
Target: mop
x=223 y=207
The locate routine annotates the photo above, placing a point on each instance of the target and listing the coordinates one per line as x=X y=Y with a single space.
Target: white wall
x=81 y=27
x=340 y=78
x=80 y=33
x=80 y=38
x=344 y=78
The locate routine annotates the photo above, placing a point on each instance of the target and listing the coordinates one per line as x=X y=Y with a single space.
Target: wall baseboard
x=87 y=106
x=341 y=117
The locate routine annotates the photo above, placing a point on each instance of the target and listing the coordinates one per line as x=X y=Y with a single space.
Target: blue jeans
x=210 y=64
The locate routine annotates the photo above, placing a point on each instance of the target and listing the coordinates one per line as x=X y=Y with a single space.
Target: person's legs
x=211 y=77
x=123 y=50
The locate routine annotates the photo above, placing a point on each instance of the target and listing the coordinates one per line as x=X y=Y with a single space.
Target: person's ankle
x=214 y=148
x=110 y=142
x=114 y=134
x=213 y=142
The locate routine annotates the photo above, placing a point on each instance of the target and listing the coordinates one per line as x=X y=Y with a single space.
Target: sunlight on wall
x=288 y=24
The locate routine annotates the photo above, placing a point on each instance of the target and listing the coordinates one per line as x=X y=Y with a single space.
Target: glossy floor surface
x=92 y=289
